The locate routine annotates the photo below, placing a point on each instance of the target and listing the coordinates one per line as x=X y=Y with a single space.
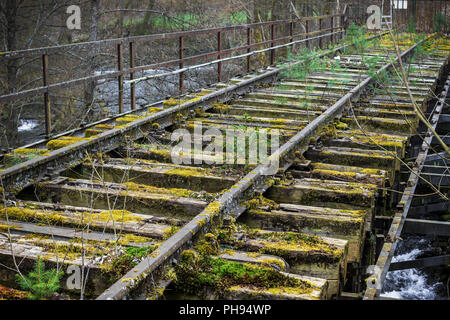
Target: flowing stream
x=413 y=284
x=27 y=125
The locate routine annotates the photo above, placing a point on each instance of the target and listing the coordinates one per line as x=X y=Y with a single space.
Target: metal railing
x=130 y=42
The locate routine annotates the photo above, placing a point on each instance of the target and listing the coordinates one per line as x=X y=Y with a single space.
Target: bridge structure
x=109 y=200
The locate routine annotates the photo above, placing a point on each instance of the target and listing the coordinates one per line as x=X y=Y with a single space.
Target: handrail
x=130 y=41
x=49 y=50
x=233 y=57
x=115 y=74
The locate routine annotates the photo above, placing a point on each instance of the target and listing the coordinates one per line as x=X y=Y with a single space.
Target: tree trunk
x=146 y=26
x=93 y=34
x=123 y=5
x=11 y=112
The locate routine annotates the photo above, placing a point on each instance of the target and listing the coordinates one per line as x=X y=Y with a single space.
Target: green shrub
x=440 y=23
x=40 y=283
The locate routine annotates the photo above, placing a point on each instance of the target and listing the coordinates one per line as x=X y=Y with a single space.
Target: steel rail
x=25 y=174
x=138 y=277
x=375 y=282
x=42 y=142
x=158 y=103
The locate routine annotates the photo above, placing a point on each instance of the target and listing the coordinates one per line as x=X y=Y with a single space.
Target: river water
x=30 y=130
x=413 y=284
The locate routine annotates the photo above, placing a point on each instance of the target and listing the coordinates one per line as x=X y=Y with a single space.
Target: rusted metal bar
x=223 y=60
x=48 y=117
x=291 y=34
x=132 y=85
x=223 y=52
x=181 y=65
x=249 y=42
x=291 y=30
x=445 y=14
x=120 y=78
x=344 y=16
x=110 y=42
x=219 y=56
x=434 y=14
x=272 y=52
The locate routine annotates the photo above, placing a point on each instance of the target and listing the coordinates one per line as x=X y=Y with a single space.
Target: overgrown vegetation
x=176 y=22
x=125 y=262
x=199 y=274
x=411 y=27
x=440 y=23
x=357 y=38
x=308 y=62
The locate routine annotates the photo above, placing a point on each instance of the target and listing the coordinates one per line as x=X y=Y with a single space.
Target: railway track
x=112 y=204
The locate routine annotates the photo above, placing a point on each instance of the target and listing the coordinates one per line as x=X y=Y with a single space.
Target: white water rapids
x=411 y=284
x=27 y=125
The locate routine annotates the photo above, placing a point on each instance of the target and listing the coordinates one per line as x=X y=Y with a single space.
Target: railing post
x=332 y=29
x=249 y=32
x=48 y=117
x=344 y=19
x=120 y=78
x=181 y=56
x=320 y=30
x=219 y=56
x=445 y=14
x=132 y=85
x=272 y=52
x=291 y=34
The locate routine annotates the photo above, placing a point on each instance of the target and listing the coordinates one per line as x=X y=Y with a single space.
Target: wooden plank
x=420 y=263
x=429 y=227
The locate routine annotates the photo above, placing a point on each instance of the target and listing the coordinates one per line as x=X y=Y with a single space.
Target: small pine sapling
x=40 y=283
